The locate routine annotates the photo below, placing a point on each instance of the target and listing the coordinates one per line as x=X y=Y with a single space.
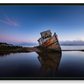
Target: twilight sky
x=24 y=23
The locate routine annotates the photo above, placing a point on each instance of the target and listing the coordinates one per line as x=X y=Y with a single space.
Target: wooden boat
x=48 y=41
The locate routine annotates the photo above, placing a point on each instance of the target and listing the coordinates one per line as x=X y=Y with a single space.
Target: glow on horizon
x=66 y=21
x=17 y=41
x=13 y=41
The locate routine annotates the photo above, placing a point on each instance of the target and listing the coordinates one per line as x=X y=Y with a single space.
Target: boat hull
x=52 y=43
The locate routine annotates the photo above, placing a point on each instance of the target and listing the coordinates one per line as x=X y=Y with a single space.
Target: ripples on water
x=67 y=64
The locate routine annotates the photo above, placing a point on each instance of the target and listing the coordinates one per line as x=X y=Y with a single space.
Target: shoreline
x=31 y=49
x=23 y=49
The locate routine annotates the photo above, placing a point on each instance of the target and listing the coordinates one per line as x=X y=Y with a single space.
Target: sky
x=19 y=24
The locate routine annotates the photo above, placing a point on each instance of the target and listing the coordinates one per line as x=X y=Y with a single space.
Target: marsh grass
x=5 y=50
x=9 y=47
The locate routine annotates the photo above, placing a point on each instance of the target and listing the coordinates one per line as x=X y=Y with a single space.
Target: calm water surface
x=67 y=64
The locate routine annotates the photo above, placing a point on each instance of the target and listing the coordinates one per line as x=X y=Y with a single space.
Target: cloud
x=5 y=22
x=72 y=42
x=9 y=22
x=13 y=23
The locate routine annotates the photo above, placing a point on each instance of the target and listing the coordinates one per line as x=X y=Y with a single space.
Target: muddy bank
x=19 y=50
x=35 y=49
x=31 y=49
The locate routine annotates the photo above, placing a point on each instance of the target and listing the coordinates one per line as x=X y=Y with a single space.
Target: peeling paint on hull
x=51 y=43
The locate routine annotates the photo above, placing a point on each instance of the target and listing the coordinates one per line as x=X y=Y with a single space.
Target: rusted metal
x=50 y=43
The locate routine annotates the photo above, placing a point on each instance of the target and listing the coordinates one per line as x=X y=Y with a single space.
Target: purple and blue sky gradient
x=24 y=23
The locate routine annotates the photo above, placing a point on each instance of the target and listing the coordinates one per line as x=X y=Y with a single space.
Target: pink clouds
x=13 y=23
x=9 y=22
x=5 y=22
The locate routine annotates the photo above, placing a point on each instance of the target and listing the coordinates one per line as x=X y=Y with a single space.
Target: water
x=66 y=64
x=71 y=64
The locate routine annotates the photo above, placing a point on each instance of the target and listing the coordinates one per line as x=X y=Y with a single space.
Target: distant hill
x=24 y=44
x=28 y=44
x=79 y=42
x=3 y=43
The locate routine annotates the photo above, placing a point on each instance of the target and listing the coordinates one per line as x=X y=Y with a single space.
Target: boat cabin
x=45 y=35
x=48 y=41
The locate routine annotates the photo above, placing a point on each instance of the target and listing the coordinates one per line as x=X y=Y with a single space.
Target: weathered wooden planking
x=49 y=41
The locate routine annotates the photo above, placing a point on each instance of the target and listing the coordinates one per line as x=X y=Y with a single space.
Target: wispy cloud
x=5 y=22
x=72 y=42
x=9 y=22
x=13 y=23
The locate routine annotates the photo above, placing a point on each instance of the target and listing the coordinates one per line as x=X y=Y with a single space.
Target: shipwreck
x=48 y=41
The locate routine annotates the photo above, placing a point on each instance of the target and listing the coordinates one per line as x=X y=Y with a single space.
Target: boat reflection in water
x=48 y=68
x=49 y=63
